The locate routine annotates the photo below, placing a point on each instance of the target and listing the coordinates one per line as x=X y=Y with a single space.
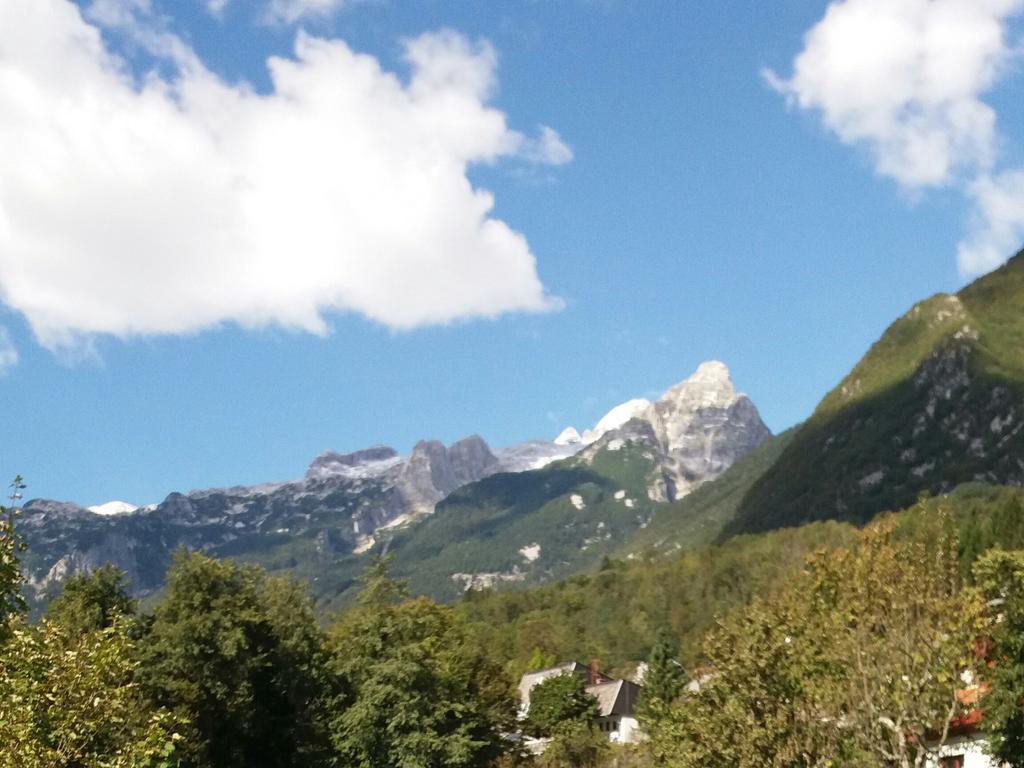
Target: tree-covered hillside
x=615 y=613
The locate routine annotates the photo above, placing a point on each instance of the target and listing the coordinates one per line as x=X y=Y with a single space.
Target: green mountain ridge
x=936 y=402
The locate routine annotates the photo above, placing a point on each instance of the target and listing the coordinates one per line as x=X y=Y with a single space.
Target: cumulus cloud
x=173 y=203
x=906 y=79
x=8 y=352
x=998 y=228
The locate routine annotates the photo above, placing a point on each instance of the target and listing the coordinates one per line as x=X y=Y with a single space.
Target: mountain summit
x=697 y=429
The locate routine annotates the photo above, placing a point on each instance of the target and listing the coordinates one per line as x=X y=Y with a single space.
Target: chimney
x=595 y=676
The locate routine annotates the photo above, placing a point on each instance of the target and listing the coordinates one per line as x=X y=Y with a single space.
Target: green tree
x=238 y=655
x=421 y=693
x=562 y=711
x=857 y=661
x=80 y=708
x=662 y=683
x=92 y=601
x=1001 y=578
x=904 y=630
x=558 y=701
x=575 y=744
x=12 y=603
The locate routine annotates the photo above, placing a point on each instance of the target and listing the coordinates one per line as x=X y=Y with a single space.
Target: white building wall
x=629 y=731
x=973 y=750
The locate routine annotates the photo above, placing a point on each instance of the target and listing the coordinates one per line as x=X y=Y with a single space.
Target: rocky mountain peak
x=709 y=386
x=432 y=471
x=470 y=459
x=700 y=427
x=330 y=463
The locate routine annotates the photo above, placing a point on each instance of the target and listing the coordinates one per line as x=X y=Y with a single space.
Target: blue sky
x=777 y=223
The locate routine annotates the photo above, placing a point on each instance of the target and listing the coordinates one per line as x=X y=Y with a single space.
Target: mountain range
x=321 y=526
x=936 y=403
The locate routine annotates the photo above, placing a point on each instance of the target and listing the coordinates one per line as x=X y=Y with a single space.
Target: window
x=952 y=761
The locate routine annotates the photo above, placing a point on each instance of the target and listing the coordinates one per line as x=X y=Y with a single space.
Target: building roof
x=615 y=697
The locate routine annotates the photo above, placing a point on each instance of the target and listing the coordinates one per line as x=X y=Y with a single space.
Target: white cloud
x=998 y=230
x=184 y=202
x=291 y=11
x=905 y=78
x=8 y=352
x=216 y=7
x=548 y=148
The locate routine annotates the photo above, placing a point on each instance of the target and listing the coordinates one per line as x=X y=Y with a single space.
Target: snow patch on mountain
x=113 y=508
x=615 y=418
x=569 y=436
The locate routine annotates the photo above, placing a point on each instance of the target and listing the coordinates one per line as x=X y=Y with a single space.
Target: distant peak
x=709 y=385
x=354 y=459
x=616 y=417
x=712 y=370
x=469 y=440
x=113 y=508
x=568 y=436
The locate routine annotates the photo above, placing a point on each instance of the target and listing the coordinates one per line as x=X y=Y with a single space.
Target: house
x=965 y=745
x=616 y=699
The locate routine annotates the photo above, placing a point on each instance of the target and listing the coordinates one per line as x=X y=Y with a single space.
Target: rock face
x=432 y=471
x=340 y=503
x=697 y=430
x=367 y=462
x=703 y=426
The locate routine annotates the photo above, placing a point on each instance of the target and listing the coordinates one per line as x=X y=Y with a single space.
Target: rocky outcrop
x=698 y=429
x=703 y=426
x=432 y=471
x=329 y=463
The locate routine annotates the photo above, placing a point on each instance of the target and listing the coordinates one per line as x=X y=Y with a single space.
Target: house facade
x=965 y=750
x=616 y=700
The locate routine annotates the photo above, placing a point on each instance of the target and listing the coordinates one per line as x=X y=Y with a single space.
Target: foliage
x=575 y=743
x=904 y=632
x=558 y=702
x=1000 y=575
x=12 y=603
x=79 y=708
x=615 y=614
x=420 y=693
x=92 y=601
x=852 y=663
x=663 y=682
x=238 y=655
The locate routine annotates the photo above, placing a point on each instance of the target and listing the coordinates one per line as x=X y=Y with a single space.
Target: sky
x=237 y=233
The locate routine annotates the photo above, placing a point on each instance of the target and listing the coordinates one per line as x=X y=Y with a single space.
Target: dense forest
x=747 y=645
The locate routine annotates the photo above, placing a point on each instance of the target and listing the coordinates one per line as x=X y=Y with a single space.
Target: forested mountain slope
x=937 y=401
